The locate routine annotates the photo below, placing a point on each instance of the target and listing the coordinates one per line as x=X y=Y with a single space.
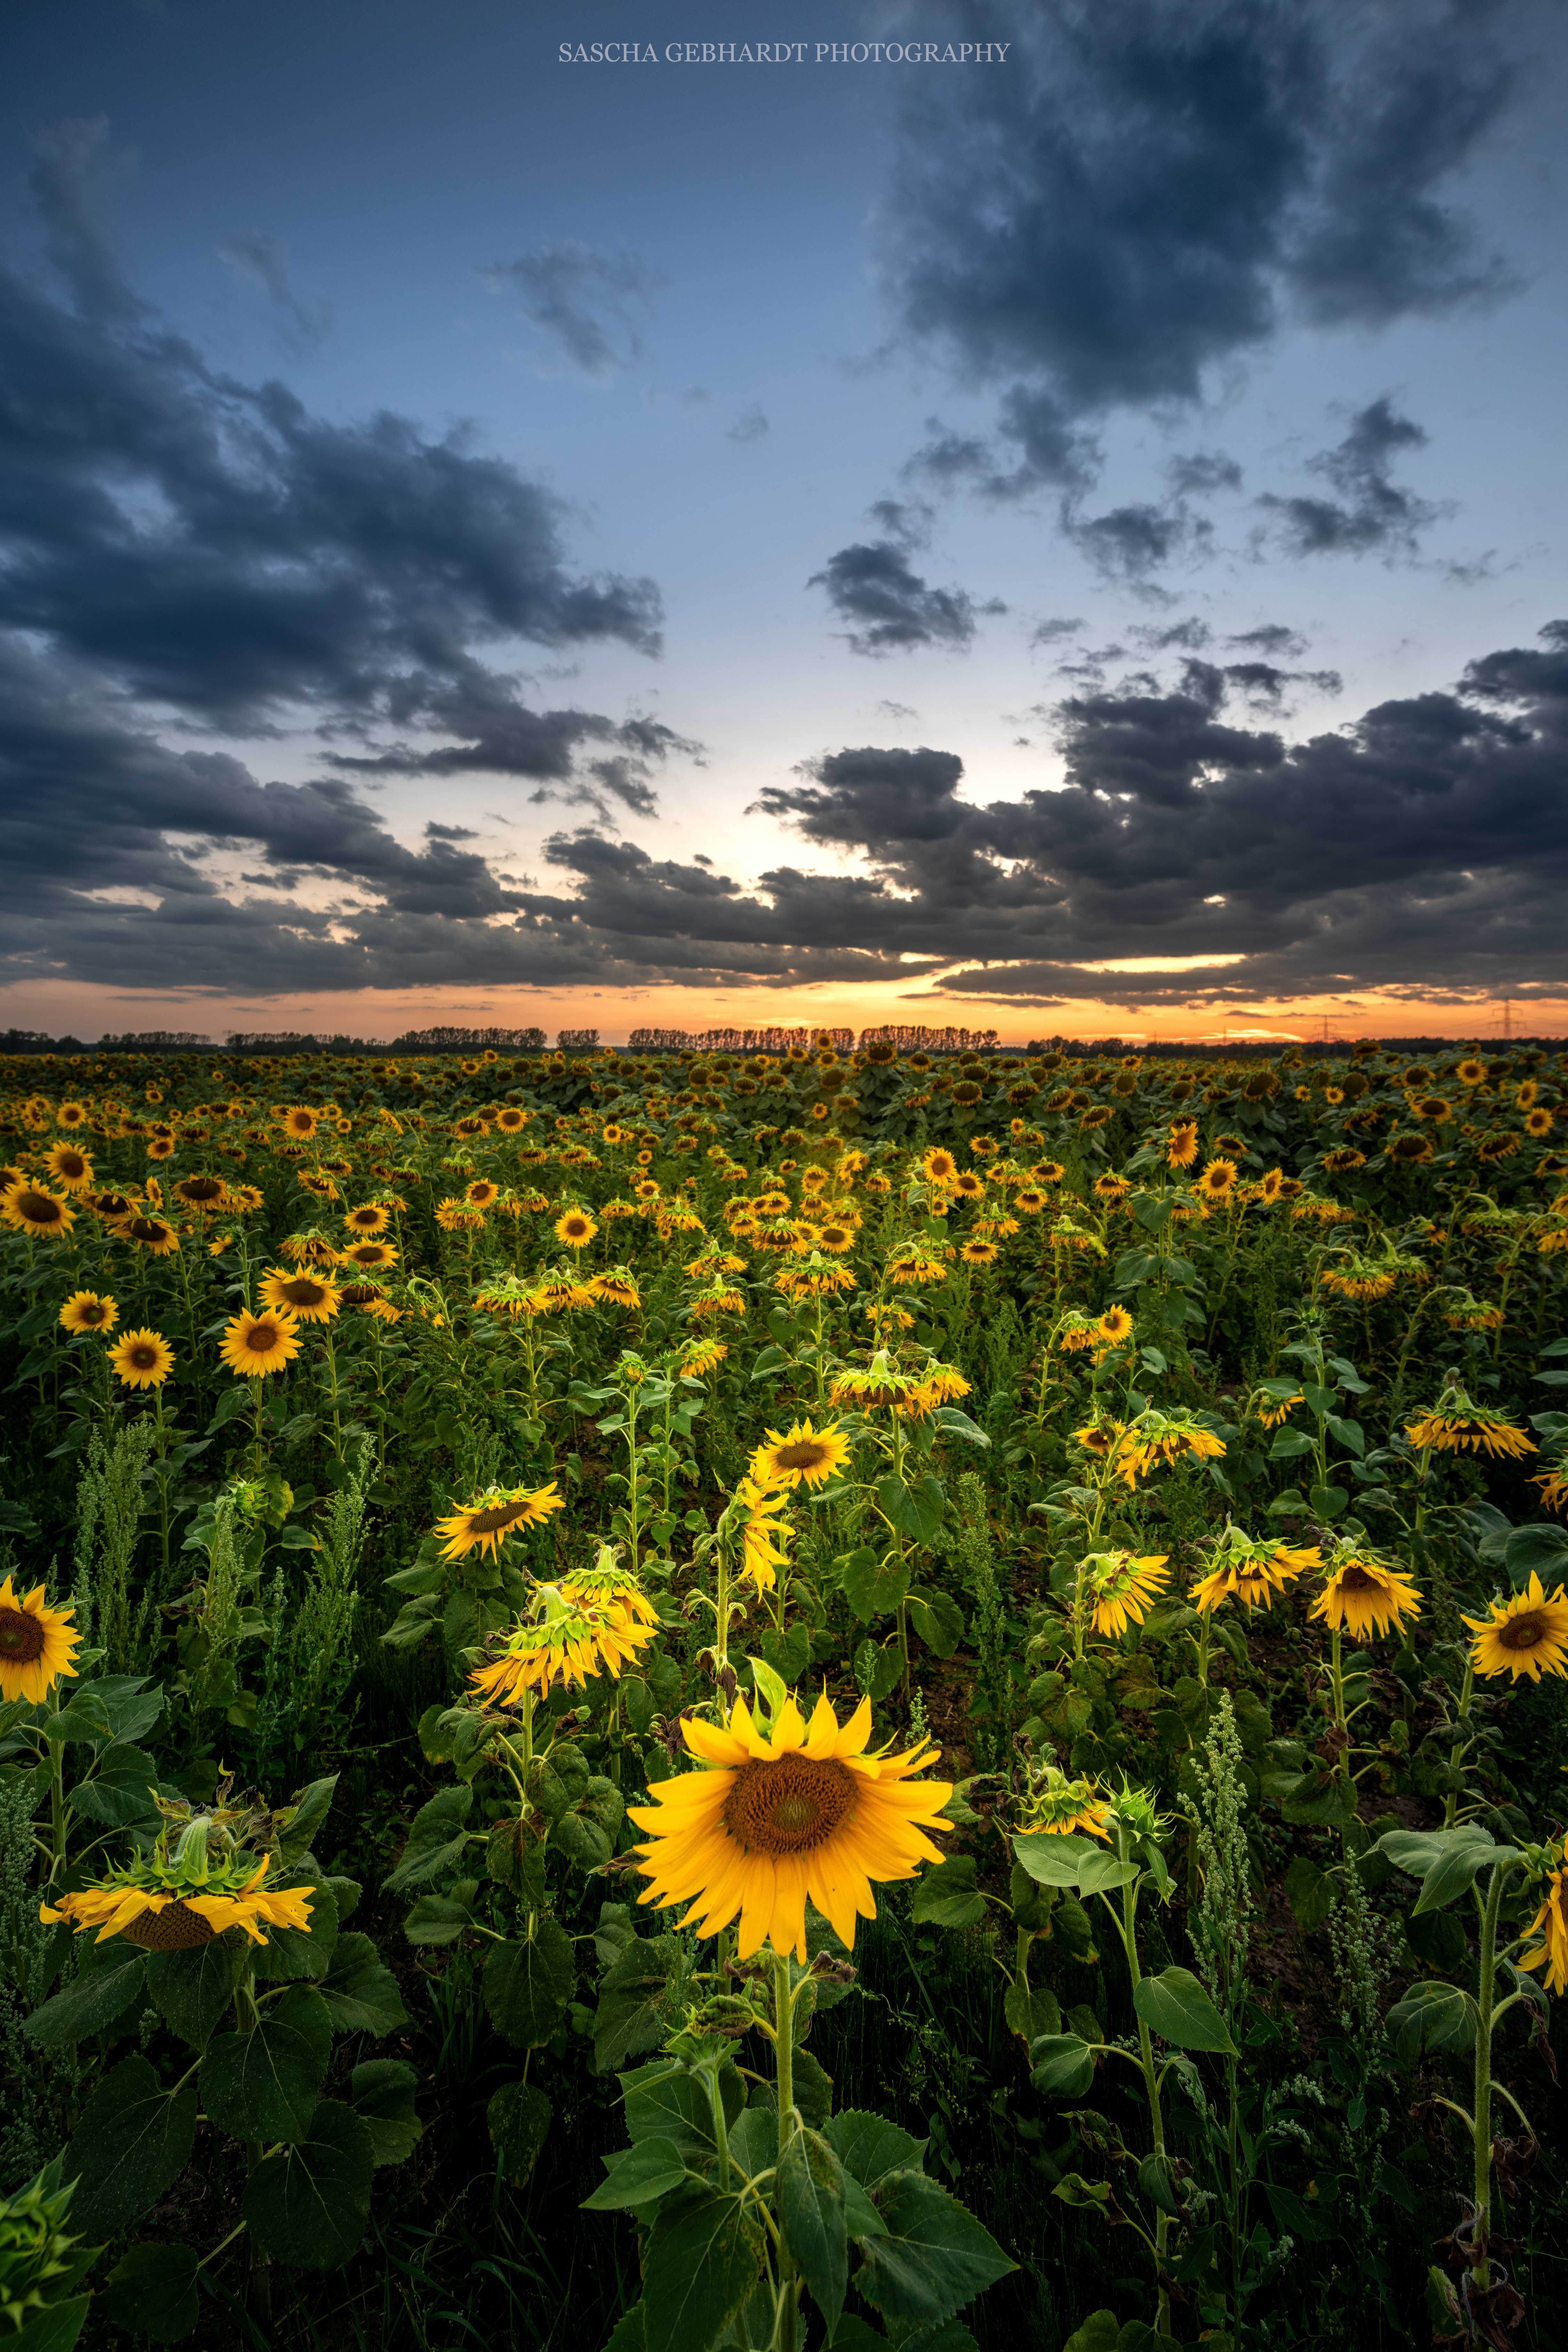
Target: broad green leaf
x=958 y=1424
x=811 y=2090
x=120 y=1790
x=307 y=2206
x=870 y=2148
x=1309 y=1892
x=936 y=1619
x=639 y=2000
x=193 y=1989
x=519 y=2116
x=1054 y=1861
x=90 y=2006
x=56 y=2329
x=527 y=1986
x=1175 y=2005
x=941 y=2336
x=152 y=2291
x=935 y=2258
x=1415 y=1851
x=435 y=1839
x=916 y=1511
x=360 y=1992
x=1062 y=2065
x=308 y=1807
x=383 y=2091
x=440 y=1918
x=1083 y=2196
x=1155 y=2179
x=647 y=2169
x=667 y=2100
x=627 y=2334
x=1097 y=2333
x=703 y=2256
x=1031 y=2011
x=812 y=2215
x=1540 y=1550
x=263 y=2084
x=1455 y=1871
x=754 y=2136
x=1431 y=2017
x=873 y=1587
x=1289 y=1443
x=946 y=1896
x=132 y=2141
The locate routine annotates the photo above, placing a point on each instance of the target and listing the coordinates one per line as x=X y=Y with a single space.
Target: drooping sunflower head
x=798 y=1812
x=1550 y=1924
x=1456 y=1426
x=1249 y=1569
x=37 y=1643
x=1057 y=1805
x=142 y=1360
x=572 y=1640
x=1527 y=1634
x=175 y=1900
x=609 y=1587
x=154 y=1235
x=311 y=1297
x=1122 y=1587
x=800 y=1456
x=89 y=1310
x=483 y=1524
x=256 y=1345
x=1365 y=1595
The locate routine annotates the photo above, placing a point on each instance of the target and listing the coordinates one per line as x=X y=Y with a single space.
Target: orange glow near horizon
x=61 y=1008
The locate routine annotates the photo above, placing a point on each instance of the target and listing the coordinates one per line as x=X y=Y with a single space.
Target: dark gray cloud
x=750 y=425
x=1150 y=192
x=1271 y=637
x=888 y=606
x=1373 y=513
x=303 y=320
x=587 y=307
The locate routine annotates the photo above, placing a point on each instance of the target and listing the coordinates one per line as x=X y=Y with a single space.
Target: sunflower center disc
x=21 y=1636
x=1525 y=1633
x=145 y=1360
x=500 y=1514
x=176 y=1928
x=790 y=1806
x=1356 y=1580
x=802 y=1457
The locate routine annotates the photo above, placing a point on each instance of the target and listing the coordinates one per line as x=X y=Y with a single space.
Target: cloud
x=1373 y=514
x=303 y=321
x=889 y=608
x=1201 y=472
x=587 y=307
x=751 y=426
x=1148 y=193
x=77 y=177
x=1271 y=637
x=1051 y=633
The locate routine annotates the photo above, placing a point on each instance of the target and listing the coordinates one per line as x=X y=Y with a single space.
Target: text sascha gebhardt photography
x=784 y=1176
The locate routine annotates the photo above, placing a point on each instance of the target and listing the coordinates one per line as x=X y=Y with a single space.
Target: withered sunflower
x=804 y=1813
x=37 y=1643
x=142 y=1359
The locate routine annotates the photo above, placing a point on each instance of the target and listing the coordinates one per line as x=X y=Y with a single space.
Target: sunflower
x=611 y=1588
x=618 y=1288
x=142 y=1359
x=154 y=1235
x=1457 y=1426
x=482 y=1193
x=299 y=1121
x=577 y=1228
x=572 y=1641
x=699 y=1357
x=804 y=1814
x=370 y=1257
x=254 y=1345
x=457 y=1215
x=1342 y=1157
x=1554 y=1486
x=802 y=1457
x=1366 y=1595
x=1029 y=1199
x=938 y=1166
x=163 y=1917
x=310 y=1297
x=89 y=1310
x=308 y=1248
x=70 y=1168
x=1182 y=1144
x=37 y=1643
x=937 y=1384
x=1525 y=1635
x=512 y=1119
x=1550 y=1924
x=1123 y=1587
x=1157 y=1439
x=1114 y=1325
x=201 y=1194
x=1471 y=1073
x=764 y=1530
x=110 y=1206
x=1539 y=1122
x=1251 y=1572
x=368 y=1219
x=71 y=1114
x=31 y=1209
x=160 y=1147
x=968 y=1186
x=1057 y=1806
x=499 y=1511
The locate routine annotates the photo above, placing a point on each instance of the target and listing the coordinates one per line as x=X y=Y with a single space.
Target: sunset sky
x=1061 y=540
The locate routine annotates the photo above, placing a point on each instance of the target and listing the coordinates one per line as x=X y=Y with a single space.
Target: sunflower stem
x=784 y=2061
x=1461 y=1720
x=1129 y=1927
x=56 y=1808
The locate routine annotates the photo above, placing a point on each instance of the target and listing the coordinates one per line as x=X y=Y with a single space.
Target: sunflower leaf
x=1175 y=2006
x=89 y=2006
x=132 y=2141
x=946 y=1896
x=194 y=1988
x=436 y=1838
x=703 y=2257
x=935 y=2258
x=120 y=1790
x=519 y=2116
x=292 y=1953
x=151 y=2291
x=383 y=2090
x=308 y=2204
x=360 y=1992
x=638 y=2175
x=262 y=2085
x=812 y=2215
x=527 y=1986
x=870 y=2148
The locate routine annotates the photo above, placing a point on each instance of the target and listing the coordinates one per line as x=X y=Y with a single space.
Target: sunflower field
x=693 y=1702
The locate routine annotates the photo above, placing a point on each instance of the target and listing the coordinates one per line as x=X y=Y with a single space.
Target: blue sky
x=1054 y=540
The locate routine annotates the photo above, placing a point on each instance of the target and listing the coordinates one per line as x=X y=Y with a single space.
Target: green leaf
x=307 y=2206
x=936 y=1619
x=639 y=2000
x=193 y=1989
x=308 y=1807
x=1175 y=2005
x=1083 y=2196
x=519 y=2116
x=383 y=2092
x=1309 y=1892
x=812 y=2215
x=1097 y=2333
x=1062 y=2065
x=811 y=2087
x=916 y=1511
x=151 y=2291
x=703 y=2257
x=527 y=1986
x=945 y=1894
x=869 y=2148
x=360 y=1992
x=935 y=2258
x=1031 y=2011
x=1438 y=1940
x=132 y=2141
x=1053 y=1861
x=1431 y=2017
x=1288 y=1444
x=941 y=2336
x=89 y=2006
x=263 y=2084
x=627 y=2335
x=1155 y=2179
x=120 y=1790
x=435 y=1839
x=649 y=2169
x=54 y=2330
x=440 y=1918
x=1350 y=1434
x=1540 y=1552
x=667 y=2100
x=873 y=1587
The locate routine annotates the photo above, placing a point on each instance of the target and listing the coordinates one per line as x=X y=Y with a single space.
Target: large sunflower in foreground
x=32 y=1210
x=1365 y=1595
x=142 y=1359
x=807 y=1812
x=37 y=1643
x=499 y=1511
x=1525 y=1635
x=800 y=1456
x=148 y=1905
x=253 y=1345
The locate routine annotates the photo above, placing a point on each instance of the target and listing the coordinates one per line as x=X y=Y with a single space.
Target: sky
x=604 y=513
